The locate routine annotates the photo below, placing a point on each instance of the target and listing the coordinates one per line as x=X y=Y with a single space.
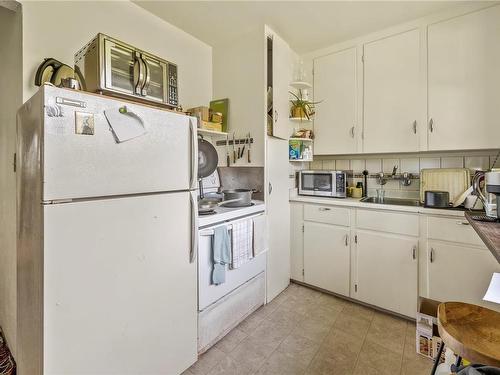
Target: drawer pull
x=324 y=209
x=463 y=223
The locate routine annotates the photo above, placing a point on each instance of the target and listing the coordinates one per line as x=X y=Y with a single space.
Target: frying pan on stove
x=207 y=158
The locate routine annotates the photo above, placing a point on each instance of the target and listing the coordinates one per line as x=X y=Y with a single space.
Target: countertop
x=488 y=232
x=355 y=202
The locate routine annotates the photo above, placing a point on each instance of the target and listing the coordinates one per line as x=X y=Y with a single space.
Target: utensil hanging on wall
x=228 y=158
x=234 y=147
x=249 y=160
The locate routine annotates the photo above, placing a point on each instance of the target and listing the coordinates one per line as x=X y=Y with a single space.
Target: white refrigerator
x=106 y=236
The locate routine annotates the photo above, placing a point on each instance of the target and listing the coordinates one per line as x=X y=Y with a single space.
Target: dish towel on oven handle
x=221 y=254
x=242 y=241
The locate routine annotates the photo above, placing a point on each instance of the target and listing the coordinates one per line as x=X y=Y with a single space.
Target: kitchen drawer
x=327 y=214
x=452 y=229
x=391 y=222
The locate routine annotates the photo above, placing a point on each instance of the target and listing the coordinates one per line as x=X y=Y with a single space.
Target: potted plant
x=301 y=107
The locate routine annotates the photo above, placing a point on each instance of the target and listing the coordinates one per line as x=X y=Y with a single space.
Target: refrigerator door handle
x=194 y=226
x=194 y=154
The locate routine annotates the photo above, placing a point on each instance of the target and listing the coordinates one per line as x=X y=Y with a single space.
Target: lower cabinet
x=327 y=257
x=459 y=272
x=387 y=267
x=373 y=256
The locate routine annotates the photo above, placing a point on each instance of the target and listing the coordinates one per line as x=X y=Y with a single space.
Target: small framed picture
x=84 y=123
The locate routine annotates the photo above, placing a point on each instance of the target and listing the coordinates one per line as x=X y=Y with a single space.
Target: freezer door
x=81 y=157
x=120 y=291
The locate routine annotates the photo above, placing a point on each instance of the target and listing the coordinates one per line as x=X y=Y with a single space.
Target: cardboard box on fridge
x=202 y=113
x=211 y=125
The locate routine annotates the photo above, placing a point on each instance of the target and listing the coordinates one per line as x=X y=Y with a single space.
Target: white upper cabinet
x=282 y=75
x=335 y=85
x=464 y=81
x=392 y=93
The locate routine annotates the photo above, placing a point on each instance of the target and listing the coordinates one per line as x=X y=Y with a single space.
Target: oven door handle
x=147 y=80
x=138 y=74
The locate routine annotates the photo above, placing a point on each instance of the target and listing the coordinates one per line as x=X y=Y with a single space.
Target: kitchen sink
x=392 y=201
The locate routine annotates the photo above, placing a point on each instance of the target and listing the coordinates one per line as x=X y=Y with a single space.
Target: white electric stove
x=222 y=307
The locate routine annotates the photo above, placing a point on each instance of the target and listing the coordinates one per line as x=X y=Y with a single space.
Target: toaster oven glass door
x=317 y=182
x=156 y=76
x=119 y=68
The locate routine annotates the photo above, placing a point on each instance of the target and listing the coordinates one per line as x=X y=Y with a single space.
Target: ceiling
x=305 y=25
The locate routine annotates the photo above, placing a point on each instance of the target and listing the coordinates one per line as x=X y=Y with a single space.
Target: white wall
x=238 y=74
x=58 y=29
x=10 y=99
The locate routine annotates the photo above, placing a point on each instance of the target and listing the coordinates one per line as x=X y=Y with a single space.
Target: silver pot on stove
x=243 y=197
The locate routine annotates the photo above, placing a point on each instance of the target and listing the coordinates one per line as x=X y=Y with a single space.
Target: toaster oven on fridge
x=115 y=68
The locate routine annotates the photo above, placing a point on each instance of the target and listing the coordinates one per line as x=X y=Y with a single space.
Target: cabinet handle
x=414 y=252
x=415 y=127
x=275 y=116
x=352 y=132
x=463 y=223
x=432 y=255
x=324 y=209
x=431 y=125
x=270 y=188
x=346 y=239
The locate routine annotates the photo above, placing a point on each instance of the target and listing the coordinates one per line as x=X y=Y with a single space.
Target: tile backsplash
x=411 y=163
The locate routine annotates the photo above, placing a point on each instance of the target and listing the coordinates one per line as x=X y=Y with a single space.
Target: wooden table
x=489 y=233
x=471 y=331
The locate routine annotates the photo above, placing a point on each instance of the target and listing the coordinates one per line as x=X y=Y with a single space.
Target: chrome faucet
x=394 y=169
x=403 y=178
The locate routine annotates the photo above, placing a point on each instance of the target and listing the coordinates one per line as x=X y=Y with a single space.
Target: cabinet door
x=391 y=93
x=296 y=241
x=327 y=257
x=278 y=217
x=387 y=271
x=463 y=81
x=282 y=76
x=460 y=273
x=335 y=121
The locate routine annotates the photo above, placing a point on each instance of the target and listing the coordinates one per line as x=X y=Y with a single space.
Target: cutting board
x=453 y=180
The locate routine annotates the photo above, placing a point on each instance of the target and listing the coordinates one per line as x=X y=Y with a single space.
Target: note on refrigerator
x=125 y=125
x=493 y=292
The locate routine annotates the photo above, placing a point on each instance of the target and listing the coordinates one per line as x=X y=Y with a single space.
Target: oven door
x=317 y=183
x=155 y=81
x=123 y=72
x=209 y=293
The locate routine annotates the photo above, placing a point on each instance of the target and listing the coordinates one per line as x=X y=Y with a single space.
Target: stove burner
x=207 y=213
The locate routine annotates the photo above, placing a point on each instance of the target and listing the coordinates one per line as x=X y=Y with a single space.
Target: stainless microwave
x=324 y=183
x=112 y=67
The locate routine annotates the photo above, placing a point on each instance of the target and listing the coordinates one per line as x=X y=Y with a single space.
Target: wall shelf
x=300 y=139
x=300 y=160
x=301 y=85
x=213 y=133
x=301 y=119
